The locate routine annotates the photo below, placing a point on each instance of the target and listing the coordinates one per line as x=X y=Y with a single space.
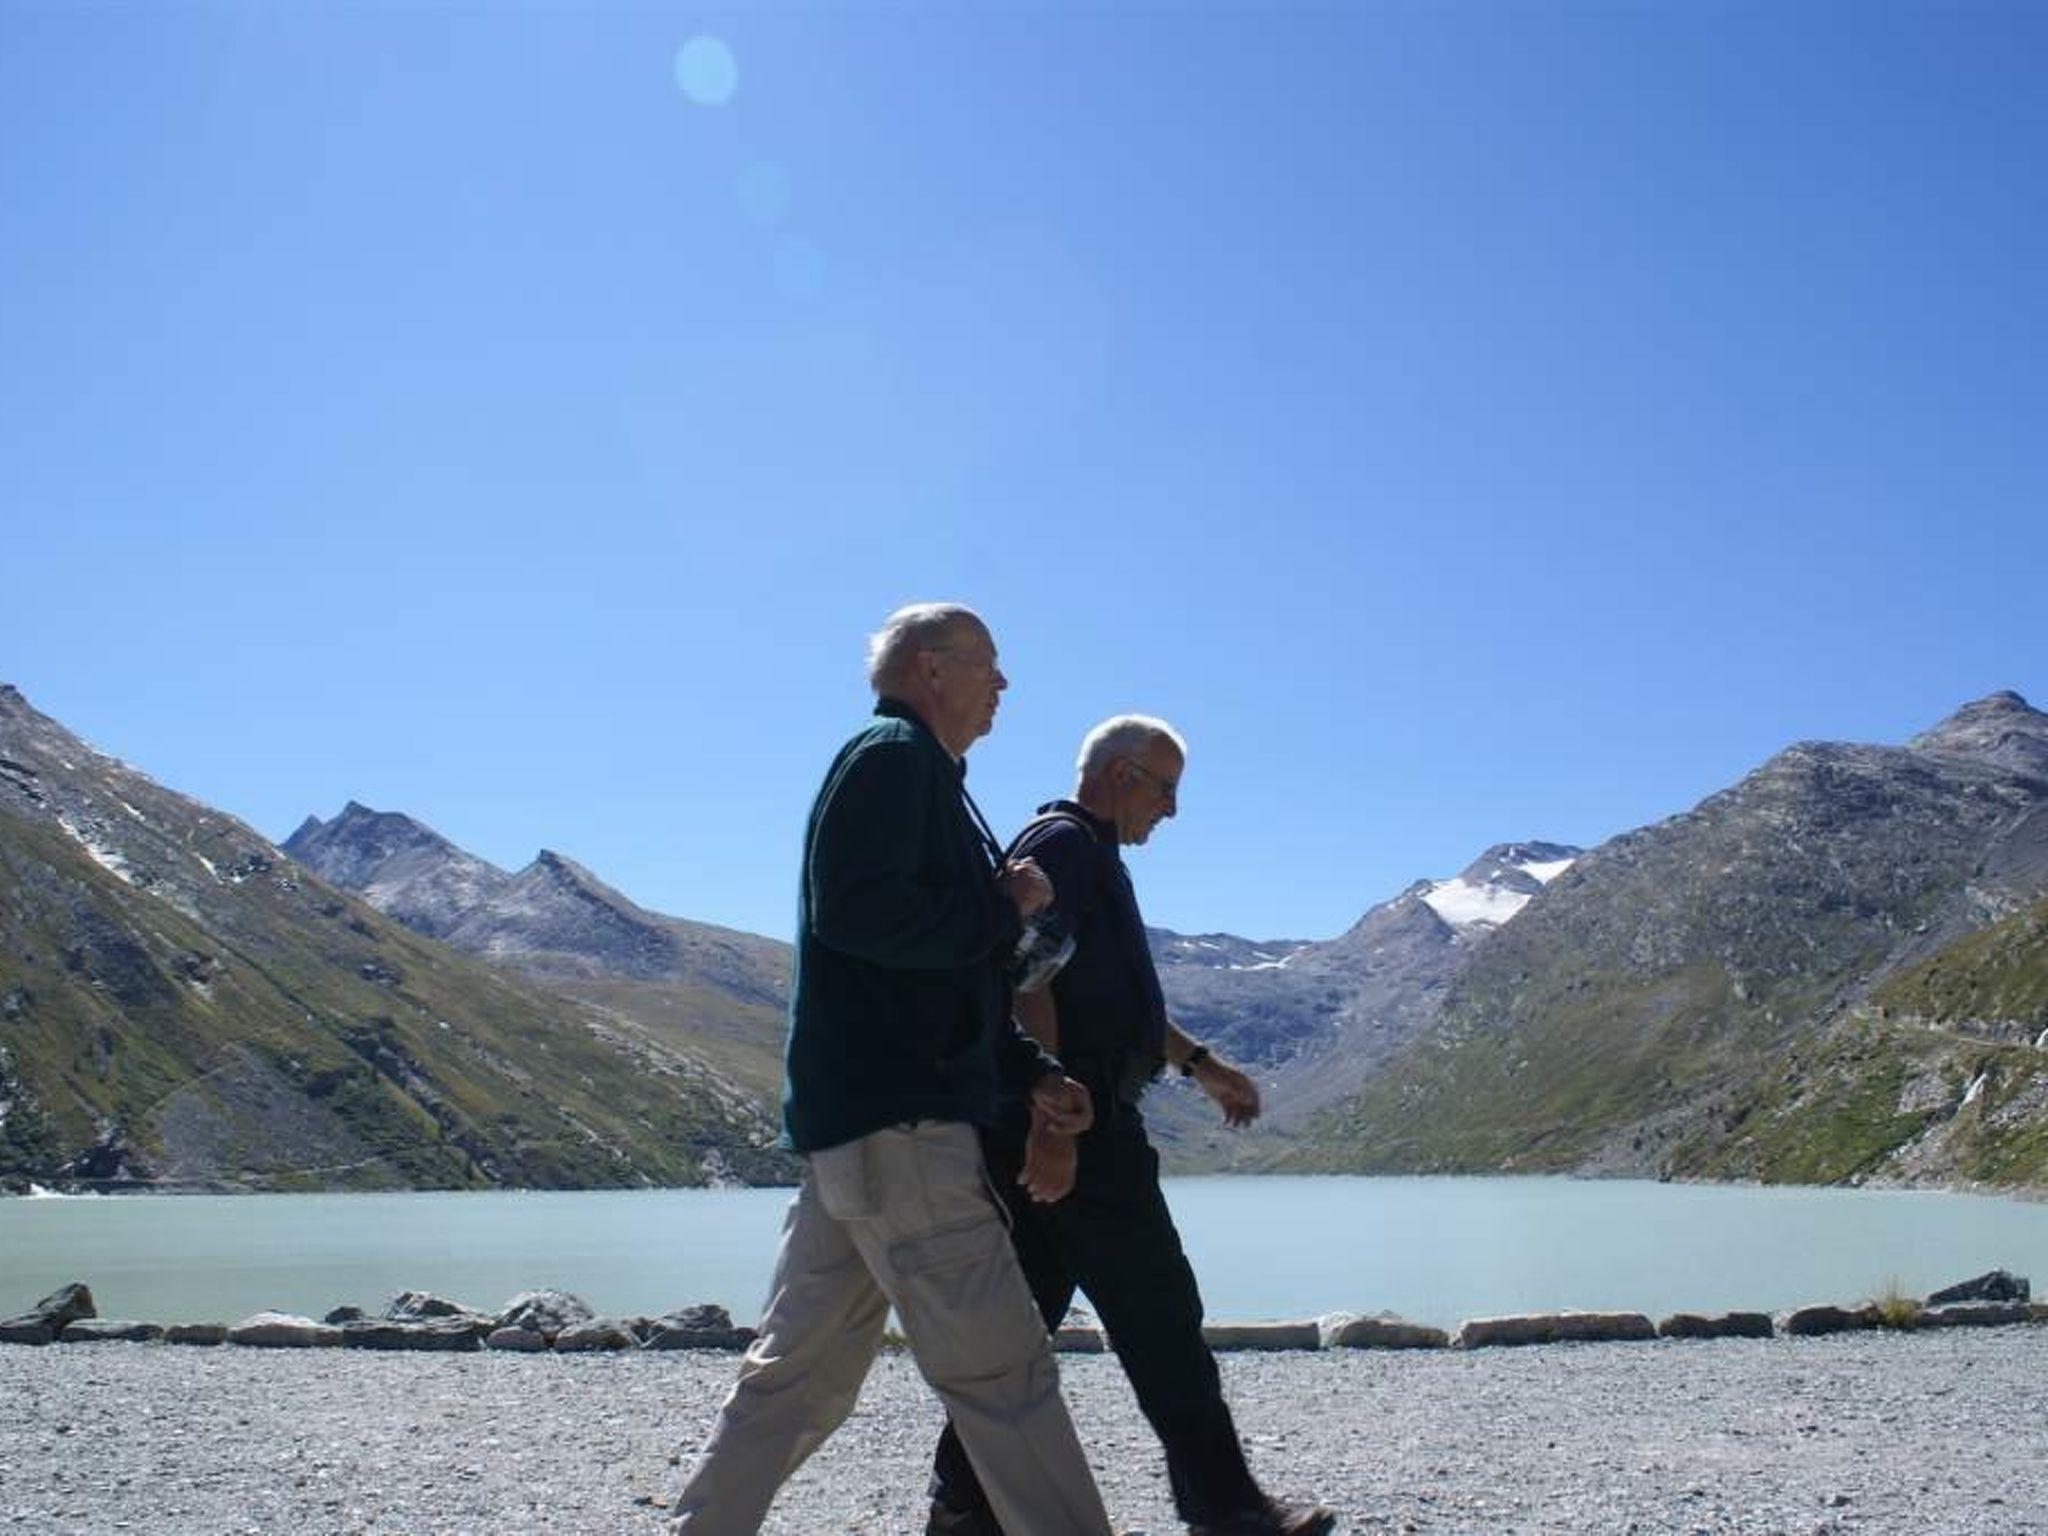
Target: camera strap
x=989 y=844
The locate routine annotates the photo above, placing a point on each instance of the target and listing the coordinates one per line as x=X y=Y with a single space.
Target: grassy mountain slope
x=1683 y=1001
x=318 y=1046
x=180 y=1005
x=1993 y=982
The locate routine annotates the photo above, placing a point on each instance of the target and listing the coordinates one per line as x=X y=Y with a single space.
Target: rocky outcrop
x=283 y=1330
x=1079 y=1339
x=1976 y=1314
x=1554 y=1328
x=49 y=1317
x=1825 y=1317
x=705 y=1326
x=1226 y=1336
x=441 y=1334
x=545 y=1312
x=1997 y=1285
x=106 y=1330
x=421 y=1306
x=603 y=1333
x=518 y=1341
x=1344 y=1331
x=1723 y=1325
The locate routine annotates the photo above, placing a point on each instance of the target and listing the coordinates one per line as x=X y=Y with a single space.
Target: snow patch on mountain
x=1265 y=961
x=1496 y=887
x=1464 y=904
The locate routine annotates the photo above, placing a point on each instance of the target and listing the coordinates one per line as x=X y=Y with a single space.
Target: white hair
x=1124 y=736
x=912 y=628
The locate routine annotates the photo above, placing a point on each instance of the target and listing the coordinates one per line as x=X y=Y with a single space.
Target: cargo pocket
x=964 y=1303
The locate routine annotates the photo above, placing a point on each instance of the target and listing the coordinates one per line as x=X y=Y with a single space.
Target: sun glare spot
x=706 y=71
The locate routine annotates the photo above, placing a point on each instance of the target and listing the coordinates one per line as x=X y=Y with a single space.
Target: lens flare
x=706 y=71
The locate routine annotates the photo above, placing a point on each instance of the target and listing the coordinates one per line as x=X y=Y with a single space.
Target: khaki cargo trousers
x=901 y=1217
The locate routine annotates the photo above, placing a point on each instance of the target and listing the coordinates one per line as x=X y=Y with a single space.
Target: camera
x=1046 y=944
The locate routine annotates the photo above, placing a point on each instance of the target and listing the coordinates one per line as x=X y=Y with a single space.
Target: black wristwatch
x=1194 y=1059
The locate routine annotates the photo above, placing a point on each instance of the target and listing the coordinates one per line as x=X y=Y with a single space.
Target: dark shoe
x=1276 y=1519
x=947 y=1521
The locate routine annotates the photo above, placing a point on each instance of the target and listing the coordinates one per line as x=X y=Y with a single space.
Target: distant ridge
x=1318 y=1021
x=685 y=985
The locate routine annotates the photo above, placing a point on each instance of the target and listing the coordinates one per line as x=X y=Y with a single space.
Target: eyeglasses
x=1169 y=789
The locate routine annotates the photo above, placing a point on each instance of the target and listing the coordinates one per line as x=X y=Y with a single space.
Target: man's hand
x=1060 y=1110
x=1050 y=1160
x=1026 y=885
x=1061 y=1105
x=1235 y=1093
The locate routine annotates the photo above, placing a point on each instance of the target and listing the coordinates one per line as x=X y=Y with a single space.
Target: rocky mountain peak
x=554 y=879
x=560 y=871
x=403 y=866
x=2001 y=728
x=1524 y=866
x=361 y=845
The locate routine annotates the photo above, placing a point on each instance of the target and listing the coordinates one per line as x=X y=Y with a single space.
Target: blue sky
x=1467 y=421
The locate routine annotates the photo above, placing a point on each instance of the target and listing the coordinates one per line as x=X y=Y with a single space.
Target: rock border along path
x=540 y=1321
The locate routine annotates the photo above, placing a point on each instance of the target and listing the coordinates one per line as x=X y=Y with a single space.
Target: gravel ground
x=1928 y=1433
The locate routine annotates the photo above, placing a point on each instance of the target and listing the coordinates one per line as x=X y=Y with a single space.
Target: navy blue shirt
x=1112 y=1015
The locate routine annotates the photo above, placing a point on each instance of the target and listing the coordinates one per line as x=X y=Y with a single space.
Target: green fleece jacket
x=899 y=1008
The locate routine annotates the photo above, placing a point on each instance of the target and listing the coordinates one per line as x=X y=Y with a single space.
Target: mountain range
x=182 y=1005
x=678 y=985
x=1835 y=969
x=1830 y=971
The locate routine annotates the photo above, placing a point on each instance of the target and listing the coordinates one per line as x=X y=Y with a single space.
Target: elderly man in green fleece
x=899 y=1013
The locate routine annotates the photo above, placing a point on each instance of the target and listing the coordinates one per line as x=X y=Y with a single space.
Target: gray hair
x=912 y=628
x=1124 y=736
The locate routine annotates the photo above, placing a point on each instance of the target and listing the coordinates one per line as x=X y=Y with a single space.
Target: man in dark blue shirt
x=1113 y=1237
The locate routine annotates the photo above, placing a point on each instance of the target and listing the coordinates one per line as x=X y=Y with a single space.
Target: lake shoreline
x=1437 y=1251
x=27 y=1189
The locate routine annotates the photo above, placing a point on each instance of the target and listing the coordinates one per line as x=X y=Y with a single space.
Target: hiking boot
x=1276 y=1519
x=948 y=1521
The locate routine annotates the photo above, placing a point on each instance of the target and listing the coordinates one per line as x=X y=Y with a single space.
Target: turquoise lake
x=1436 y=1250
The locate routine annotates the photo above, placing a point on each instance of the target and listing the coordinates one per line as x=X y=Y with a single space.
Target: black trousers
x=1114 y=1239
